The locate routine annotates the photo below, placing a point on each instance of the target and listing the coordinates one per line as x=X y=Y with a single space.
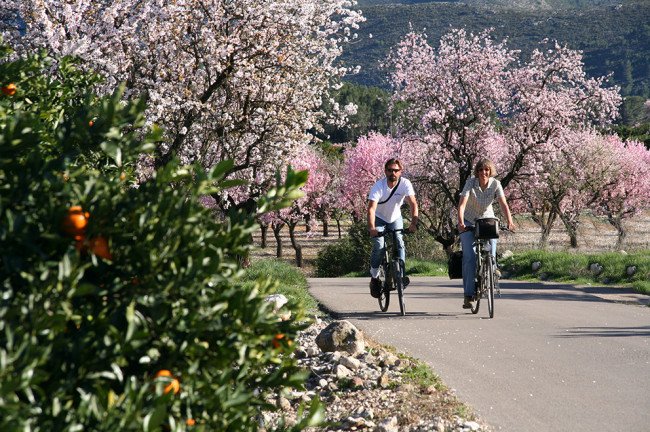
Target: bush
x=347 y=255
x=351 y=254
x=142 y=279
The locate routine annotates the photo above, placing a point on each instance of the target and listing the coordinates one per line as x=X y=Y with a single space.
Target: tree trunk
x=294 y=243
x=265 y=229
x=326 y=230
x=338 y=227
x=617 y=223
x=276 y=232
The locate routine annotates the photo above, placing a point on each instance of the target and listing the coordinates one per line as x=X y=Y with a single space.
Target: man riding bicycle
x=384 y=202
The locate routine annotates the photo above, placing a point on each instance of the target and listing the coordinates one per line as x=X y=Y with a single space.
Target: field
x=596 y=236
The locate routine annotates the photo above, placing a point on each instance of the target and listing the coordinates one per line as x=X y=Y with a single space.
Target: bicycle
x=391 y=273
x=485 y=279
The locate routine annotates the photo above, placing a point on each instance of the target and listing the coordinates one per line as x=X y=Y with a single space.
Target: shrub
x=84 y=331
x=347 y=255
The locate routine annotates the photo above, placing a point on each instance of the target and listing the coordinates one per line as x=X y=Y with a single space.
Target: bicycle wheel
x=384 y=295
x=477 y=295
x=399 y=285
x=489 y=283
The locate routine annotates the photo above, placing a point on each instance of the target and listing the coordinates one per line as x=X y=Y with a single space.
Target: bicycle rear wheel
x=384 y=294
x=477 y=296
x=489 y=283
x=399 y=285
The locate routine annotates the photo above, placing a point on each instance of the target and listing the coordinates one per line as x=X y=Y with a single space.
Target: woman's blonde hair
x=485 y=163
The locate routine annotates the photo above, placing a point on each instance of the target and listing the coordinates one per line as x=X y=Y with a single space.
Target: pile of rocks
x=364 y=388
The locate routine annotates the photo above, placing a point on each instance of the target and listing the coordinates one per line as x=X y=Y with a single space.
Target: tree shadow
x=579 y=332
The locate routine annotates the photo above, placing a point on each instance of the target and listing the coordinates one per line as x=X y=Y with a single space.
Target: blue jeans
x=469 y=260
x=378 y=243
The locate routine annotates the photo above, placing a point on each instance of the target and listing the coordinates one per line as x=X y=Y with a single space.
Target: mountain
x=615 y=38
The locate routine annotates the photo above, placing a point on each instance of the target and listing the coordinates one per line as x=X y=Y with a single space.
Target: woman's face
x=483 y=172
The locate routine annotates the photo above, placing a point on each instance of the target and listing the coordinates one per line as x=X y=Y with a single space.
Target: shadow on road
x=578 y=332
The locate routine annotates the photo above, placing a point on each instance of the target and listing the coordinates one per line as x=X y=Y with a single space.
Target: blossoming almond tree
x=239 y=80
x=474 y=98
x=629 y=190
x=363 y=166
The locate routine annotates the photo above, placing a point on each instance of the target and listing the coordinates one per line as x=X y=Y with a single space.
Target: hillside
x=614 y=38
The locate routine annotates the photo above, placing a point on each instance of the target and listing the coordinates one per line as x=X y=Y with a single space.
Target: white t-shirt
x=390 y=210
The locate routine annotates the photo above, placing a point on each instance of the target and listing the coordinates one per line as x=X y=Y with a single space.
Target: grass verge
x=609 y=269
x=557 y=267
x=291 y=283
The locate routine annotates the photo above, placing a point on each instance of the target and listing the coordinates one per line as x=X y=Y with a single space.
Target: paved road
x=554 y=358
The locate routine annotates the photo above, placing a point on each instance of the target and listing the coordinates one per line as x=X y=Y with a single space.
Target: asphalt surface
x=555 y=357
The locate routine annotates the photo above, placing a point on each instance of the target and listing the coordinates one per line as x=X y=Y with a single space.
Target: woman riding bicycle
x=475 y=203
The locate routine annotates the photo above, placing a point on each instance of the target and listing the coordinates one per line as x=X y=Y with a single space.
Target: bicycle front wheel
x=489 y=283
x=384 y=294
x=477 y=295
x=399 y=285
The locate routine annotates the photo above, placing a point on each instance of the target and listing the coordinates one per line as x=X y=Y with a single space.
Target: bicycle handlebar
x=502 y=227
x=388 y=231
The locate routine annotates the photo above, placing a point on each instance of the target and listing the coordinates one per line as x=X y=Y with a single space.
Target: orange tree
x=108 y=280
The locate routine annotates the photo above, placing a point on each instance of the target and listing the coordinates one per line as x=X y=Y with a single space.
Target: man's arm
x=372 y=208
x=413 y=205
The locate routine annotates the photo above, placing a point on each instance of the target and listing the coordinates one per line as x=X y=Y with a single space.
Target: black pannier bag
x=455 y=265
x=486 y=228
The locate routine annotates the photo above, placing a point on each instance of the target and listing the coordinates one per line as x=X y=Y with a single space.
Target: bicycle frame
x=393 y=271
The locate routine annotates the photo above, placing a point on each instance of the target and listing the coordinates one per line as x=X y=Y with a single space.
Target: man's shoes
x=467 y=303
x=406 y=281
x=497 y=273
x=375 y=287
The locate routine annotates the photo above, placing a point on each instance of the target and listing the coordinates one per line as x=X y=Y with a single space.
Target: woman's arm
x=503 y=204
x=461 y=213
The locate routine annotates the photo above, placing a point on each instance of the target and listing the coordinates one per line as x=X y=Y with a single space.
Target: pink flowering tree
x=364 y=165
x=628 y=190
x=472 y=98
x=307 y=206
x=568 y=180
x=240 y=80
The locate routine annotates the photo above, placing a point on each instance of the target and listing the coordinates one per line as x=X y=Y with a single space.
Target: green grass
x=575 y=268
x=556 y=266
x=291 y=282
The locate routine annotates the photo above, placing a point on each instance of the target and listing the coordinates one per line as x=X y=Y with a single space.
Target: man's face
x=393 y=172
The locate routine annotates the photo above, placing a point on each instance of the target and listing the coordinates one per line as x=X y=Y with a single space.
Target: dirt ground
x=596 y=235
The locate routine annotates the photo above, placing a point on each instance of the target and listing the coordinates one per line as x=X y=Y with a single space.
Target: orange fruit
x=9 y=89
x=74 y=223
x=99 y=246
x=174 y=385
x=276 y=340
x=191 y=422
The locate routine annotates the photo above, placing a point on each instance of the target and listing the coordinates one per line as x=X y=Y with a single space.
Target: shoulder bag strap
x=391 y=192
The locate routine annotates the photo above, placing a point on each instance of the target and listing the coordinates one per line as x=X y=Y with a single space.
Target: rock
x=341 y=336
x=278 y=301
x=471 y=425
x=506 y=254
x=341 y=371
x=596 y=269
x=382 y=381
x=283 y=403
x=536 y=266
x=356 y=382
x=388 y=425
x=350 y=362
x=631 y=270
